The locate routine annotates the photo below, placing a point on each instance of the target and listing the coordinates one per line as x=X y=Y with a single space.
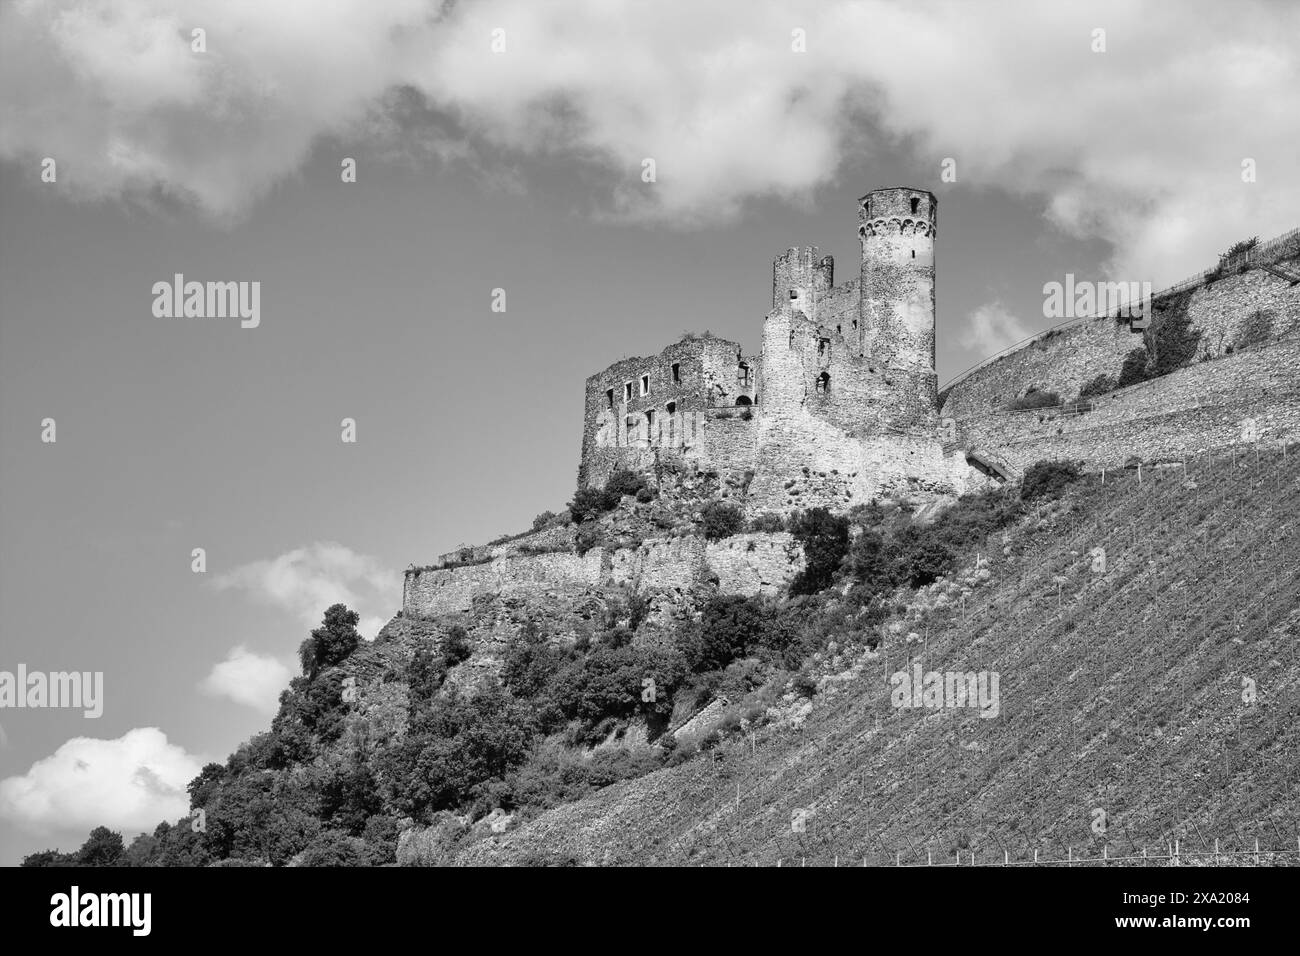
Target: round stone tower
x=897 y=230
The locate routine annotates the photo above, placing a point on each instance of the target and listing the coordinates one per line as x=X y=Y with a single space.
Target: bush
x=721 y=520
x=804 y=685
x=730 y=626
x=825 y=539
x=544 y=519
x=1047 y=478
x=1134 y=369
x=1035 y=399
x=767 y=522
x=645 y=496
x=624 y=482
x=589 y=503
x=1097 y=386
x=456 y=646
x=1256 y=330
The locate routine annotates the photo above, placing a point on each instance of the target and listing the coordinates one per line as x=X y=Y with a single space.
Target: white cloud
x=253 y=680
x=1141 y=145
x=991 y=328
x=130 y=784
x=305 y=581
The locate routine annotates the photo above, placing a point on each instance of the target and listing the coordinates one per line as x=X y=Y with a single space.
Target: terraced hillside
x=1145 y=696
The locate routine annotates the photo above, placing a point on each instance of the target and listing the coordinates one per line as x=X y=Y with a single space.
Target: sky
x=497 y=145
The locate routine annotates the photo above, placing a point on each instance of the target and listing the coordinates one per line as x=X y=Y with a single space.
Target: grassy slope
x=1123 y=694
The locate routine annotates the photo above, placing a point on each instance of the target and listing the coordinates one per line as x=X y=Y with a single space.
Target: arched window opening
x=743 y=400
x=824 y=383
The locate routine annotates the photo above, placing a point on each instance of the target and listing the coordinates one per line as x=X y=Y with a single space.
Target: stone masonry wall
x=1196 y=409
x=1065 y=360
x=754 y=563
x=642 y=406
x=450 y=590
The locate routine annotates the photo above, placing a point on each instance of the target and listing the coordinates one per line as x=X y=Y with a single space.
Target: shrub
x=544 y=519
x=1173 y=340
x=804 y=685
x=730 y=626
x=825 y=539
x=589 y=503
x=1035 y=399
x=1047 y=478
x=1097 y=386
x=767 y=522
x=1134 y=369
x=1256 y=330
x=721 y=520
x=456 y=646
x=645 y=496
x=623 y=482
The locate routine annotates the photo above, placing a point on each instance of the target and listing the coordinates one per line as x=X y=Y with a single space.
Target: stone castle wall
x=641 y=409
x=755 y=563
x=1064 y=361
x=1196 y=409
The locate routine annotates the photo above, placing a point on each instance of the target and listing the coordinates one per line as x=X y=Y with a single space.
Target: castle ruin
x=839 y=407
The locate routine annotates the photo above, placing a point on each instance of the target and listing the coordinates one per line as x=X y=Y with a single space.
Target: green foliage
x=825 y=539
x=332 y=642
x=544 y=519
x=645 y=496
x=804 y=685
x=1047 y=478
x=721 y=520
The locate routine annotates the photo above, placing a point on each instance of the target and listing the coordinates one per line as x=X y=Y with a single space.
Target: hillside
x=1132 y=637
x=1121 y=692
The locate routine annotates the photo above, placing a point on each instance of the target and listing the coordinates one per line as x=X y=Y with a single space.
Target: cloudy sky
x=497 y=144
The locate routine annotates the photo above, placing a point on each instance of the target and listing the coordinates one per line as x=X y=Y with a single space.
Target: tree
x=332 y=642
x=208 y=782
x=825 y=539
x=102 y=848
